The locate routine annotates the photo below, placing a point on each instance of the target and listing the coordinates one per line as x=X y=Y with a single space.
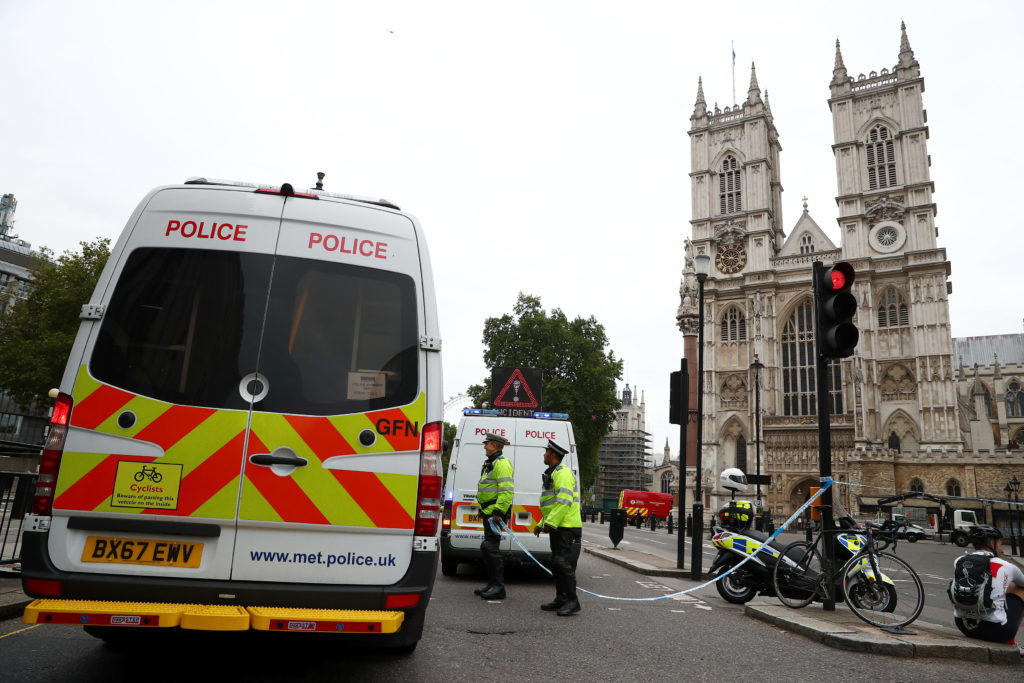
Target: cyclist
x=999 y=623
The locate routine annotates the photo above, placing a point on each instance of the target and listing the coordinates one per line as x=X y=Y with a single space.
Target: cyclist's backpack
x=970 y=591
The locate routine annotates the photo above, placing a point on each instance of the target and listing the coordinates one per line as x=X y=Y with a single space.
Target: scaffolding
x=622 y=465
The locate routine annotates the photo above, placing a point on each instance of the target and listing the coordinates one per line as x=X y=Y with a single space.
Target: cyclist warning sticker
x=146 y=485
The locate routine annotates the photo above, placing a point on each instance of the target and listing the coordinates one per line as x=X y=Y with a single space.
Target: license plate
x=477 y=519
x=142 y=551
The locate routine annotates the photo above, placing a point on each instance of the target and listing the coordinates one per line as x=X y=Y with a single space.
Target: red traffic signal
x=835 y=308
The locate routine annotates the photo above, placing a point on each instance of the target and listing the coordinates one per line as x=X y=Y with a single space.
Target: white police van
x=461 y=524
x=248 y=430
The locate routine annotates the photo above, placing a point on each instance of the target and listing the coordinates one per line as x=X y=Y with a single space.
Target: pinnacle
x=906 y=53
x=839 y=75
x=700 y=91
x=754 y=91
x=839 y=58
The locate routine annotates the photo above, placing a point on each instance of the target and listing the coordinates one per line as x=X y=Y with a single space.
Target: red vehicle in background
x=646 y=504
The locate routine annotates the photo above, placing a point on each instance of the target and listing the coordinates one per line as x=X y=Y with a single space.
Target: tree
x=36 y=337
x=578 y=375
x=448 y=440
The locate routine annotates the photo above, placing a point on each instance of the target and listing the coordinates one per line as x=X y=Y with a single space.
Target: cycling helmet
x=733 y=479
x=982 y=533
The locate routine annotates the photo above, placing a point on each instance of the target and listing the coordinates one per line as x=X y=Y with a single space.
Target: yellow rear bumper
x=211 y=617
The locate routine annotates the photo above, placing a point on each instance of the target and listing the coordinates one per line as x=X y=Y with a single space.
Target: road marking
x=14 y=633
x=703 y=607
x=678 y=611
x=615 y=609
x=658 y=542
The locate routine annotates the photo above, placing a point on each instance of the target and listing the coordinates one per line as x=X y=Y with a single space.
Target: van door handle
x=268 y=459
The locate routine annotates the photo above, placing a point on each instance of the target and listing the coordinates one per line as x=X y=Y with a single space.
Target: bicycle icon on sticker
x=149 y=473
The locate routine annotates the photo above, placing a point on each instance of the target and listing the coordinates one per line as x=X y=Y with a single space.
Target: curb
x=640 y=567
x=9 y=610
x=842 y=637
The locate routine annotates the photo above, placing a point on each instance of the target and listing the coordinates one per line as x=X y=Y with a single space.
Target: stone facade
x=898 y=407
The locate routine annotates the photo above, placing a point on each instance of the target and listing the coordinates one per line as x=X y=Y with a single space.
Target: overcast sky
x=542 y=144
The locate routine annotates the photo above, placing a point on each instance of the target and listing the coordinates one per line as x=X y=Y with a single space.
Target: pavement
x=839 y=629
x=12 y=599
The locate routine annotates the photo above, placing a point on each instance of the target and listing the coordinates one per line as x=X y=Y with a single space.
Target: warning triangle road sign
x=516 y=393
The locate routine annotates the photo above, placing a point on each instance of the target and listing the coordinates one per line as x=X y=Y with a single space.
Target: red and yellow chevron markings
x=208 y=443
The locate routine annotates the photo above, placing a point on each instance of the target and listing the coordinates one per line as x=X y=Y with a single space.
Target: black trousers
x=493 y=562
x=565 y=552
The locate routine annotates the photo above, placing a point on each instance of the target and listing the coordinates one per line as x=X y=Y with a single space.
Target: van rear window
x=339 y=339
x=186 y=325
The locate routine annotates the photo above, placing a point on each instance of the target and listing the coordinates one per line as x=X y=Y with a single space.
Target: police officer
x=560 y=510
x=494 y=496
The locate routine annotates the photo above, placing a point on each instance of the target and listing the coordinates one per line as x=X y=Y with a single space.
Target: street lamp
x=757 y=366
x=1015 y=488
x=702 y=268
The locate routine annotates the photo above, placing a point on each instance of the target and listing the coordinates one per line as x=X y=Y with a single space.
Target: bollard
x=670 y=524
x=689 y=525
x=616 y=525
x=602 y=516
x=654 y=523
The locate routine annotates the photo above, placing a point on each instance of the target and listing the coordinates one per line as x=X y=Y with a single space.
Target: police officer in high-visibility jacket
x=560 y=510
x=494 y=496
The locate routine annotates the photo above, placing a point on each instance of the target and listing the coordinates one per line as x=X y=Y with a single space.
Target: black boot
x=553 y=605
x=481 y=591
x=496 y=592
x=572 y=606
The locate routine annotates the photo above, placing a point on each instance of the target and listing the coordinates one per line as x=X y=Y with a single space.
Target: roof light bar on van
x=551 y=416
x=481 y=411
x=356 y=198
x=286 y=190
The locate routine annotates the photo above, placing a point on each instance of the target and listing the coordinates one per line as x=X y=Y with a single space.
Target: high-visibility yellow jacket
x=495 y=488
x=559 y=499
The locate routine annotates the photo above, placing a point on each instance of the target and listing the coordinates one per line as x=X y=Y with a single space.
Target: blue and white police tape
x=826 y=483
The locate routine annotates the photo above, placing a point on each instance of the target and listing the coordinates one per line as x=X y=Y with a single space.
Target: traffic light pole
x=824 y=445
x=684 y=398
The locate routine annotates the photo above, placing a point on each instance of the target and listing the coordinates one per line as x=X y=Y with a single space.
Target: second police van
x=248 y=431
x=462 y=528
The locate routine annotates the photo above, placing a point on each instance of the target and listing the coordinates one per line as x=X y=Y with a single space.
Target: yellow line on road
x=14 y=633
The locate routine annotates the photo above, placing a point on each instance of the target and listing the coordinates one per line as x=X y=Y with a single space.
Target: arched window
x=894 y=441
x=917 y=485
x=741 y=453
x=798 y=382
x=730 y=195
x=666 y=482
x=953 y=488
x=806 y=244
x=734 y=325
x=881 y=158
x=1014 y=399
x=892 y=309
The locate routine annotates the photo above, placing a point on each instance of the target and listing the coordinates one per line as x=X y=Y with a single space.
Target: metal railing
x=16 y=490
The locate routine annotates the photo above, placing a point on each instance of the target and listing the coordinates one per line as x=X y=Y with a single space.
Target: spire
x=906 y=54
x=700 y=107
x=754 y=91
x=839 y=74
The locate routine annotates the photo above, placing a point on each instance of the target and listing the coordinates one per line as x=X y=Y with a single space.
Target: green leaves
x=579 y=376
x=36 y=337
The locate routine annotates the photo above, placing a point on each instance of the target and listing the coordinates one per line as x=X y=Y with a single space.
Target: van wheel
x=449 y=567
x=960 y=539
x=912 y=538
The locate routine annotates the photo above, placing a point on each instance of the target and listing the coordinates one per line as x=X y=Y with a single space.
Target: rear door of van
x=467 y=522
x=150 y=475
x=331 y=466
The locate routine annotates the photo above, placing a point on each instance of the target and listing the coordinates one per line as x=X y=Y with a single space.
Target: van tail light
x=53 y=448
x=428 y=496
x=446 y=515
x=42 y=587
x=401 y=600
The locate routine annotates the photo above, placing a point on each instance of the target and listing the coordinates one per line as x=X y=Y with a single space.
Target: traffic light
x=835 y=308
x=678 y=400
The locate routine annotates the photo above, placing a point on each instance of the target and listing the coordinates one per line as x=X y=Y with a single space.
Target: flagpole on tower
x=733 y=46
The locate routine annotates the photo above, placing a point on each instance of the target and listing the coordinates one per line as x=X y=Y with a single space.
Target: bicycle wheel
x=797 y=576
x=882 y=589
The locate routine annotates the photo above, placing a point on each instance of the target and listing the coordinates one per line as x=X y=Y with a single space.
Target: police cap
x=556 y=449
x=500 y=440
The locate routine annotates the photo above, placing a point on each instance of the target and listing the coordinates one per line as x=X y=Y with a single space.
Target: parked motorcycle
x=735 y=540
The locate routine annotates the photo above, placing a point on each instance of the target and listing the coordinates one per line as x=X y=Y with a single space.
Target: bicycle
x=879 y=587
